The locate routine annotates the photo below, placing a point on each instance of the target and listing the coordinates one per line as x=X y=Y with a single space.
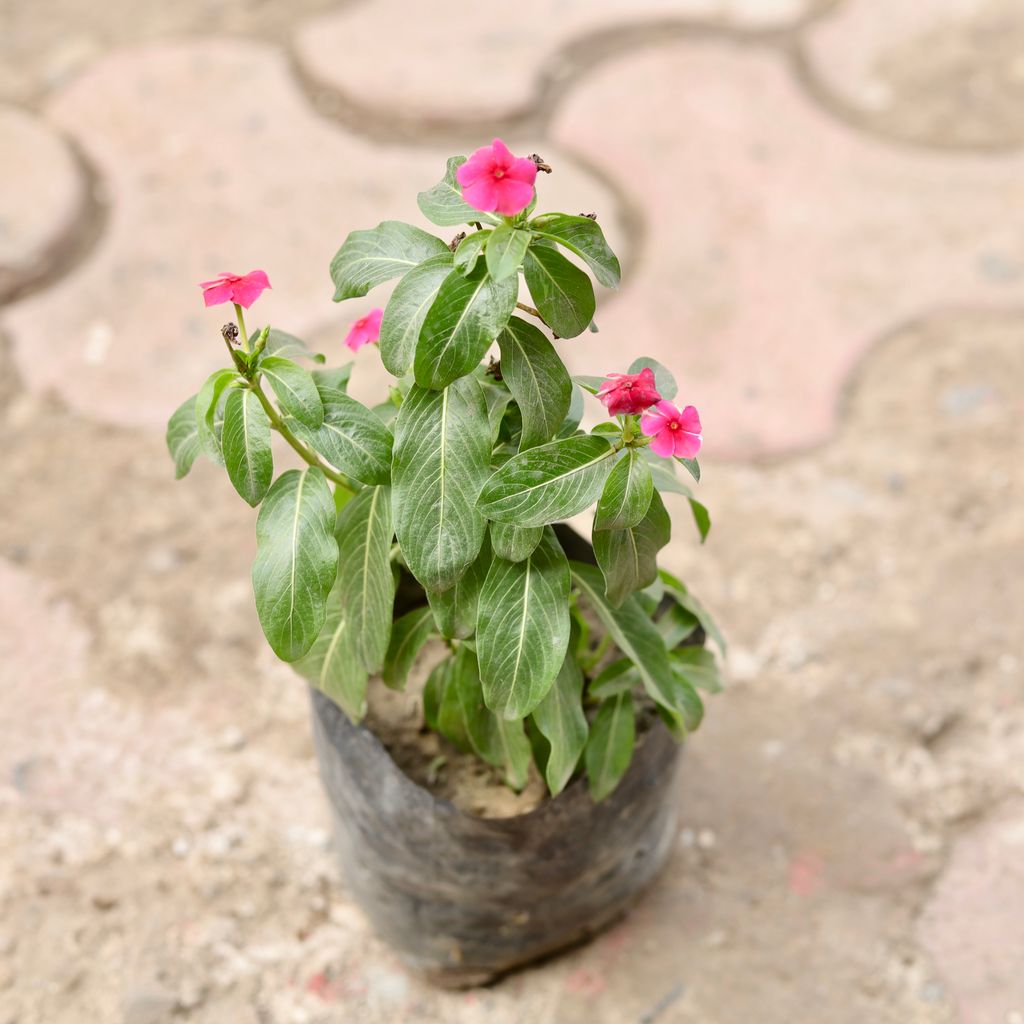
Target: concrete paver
x=402 y=62
x=850 y=811
x=780 y=243
x=41 y=198
x=213 y=162
x=943 y=73
x=972 y=924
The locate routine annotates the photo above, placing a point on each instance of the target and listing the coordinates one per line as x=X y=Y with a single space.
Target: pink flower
x=629 y=392
x=232 y=288
x=493 y=179
x=673 y=432
x=365 y=330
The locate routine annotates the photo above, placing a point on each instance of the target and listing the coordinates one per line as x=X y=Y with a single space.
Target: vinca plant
x=458 y=480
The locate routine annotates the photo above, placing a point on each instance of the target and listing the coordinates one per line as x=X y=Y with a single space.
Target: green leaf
x=183 y=437
x=572 y=418
x=680 y=592
x=365 y=580
x=676 y=624
x=455 y=608
x=505 y=251
x=352 y=439
x=634 y=634
x=333 y=664
x=442 y=451
x=500 y=743
x=549 y=483
x=296 y=561
x=692 y=467
x=497 y=398
x=369 y=258
x=663 y=473
x=610 y=746
x=561 y=291
x=433 y=693
x=470 y=249
x=336 y=378
x=560 y=718
x=627 y=494
x=588 y=383
x=443 y=204
x=629 y=558
x=514 y=543
x=538 y=380
x=210 y=401
x=245 y=440
x=451 y=718
x=460 y=326
x=523 y=628
x=663 y=379
x=699 y=667
x=295 y=390
x=583 y=236
x=406 y=310
x=618 y=677
x=408 y=635
x=701 y=517
x=287 y=346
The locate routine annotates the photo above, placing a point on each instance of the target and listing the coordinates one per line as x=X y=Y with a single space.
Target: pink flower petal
x=653 y=422
x=214 y=294
x=663 y=444
x=502 y=154
x=667 y=409
x=513 y=197
x=689 y=420
x=685 y=445
x=482 y=194
x=246 y=290
x=522 y=169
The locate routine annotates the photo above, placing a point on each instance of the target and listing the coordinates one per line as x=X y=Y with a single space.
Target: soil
x=396 y=718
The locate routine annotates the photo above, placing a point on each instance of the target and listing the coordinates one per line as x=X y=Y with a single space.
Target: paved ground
x=819 y=206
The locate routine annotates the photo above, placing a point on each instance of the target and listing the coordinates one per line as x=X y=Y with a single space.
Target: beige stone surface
x=213 y=161
x=780 y=244
x=942 y=73
x=403 y=62
x=850 y=812
x=42 y=195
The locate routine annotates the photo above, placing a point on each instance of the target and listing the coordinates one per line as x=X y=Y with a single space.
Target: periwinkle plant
x=458 y=479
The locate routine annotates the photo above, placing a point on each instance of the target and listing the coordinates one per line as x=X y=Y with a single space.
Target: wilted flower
x=629 y=392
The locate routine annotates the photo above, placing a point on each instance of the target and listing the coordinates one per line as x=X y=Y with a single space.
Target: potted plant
x=428 y=533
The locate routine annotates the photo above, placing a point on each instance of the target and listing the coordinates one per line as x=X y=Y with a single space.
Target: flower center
x=499 y=173
x=673 y=426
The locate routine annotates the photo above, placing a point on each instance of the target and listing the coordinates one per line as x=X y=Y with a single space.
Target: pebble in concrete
x=41 y=199
x=972 y=926
x=213 y=161
x=780 y=242
x=404 y=63
x=946 y=73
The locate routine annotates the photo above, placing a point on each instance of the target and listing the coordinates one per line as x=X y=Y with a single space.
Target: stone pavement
x=820 y=209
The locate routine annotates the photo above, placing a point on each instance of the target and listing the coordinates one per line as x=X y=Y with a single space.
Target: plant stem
x=244 y=339
x=533 y=312
x=303 y=449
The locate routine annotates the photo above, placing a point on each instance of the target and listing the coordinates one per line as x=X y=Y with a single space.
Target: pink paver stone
x=404 y=62
x=781 y=244
x=42 y=196
x=215 y=162
x=943 y=72
x=972 y=926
